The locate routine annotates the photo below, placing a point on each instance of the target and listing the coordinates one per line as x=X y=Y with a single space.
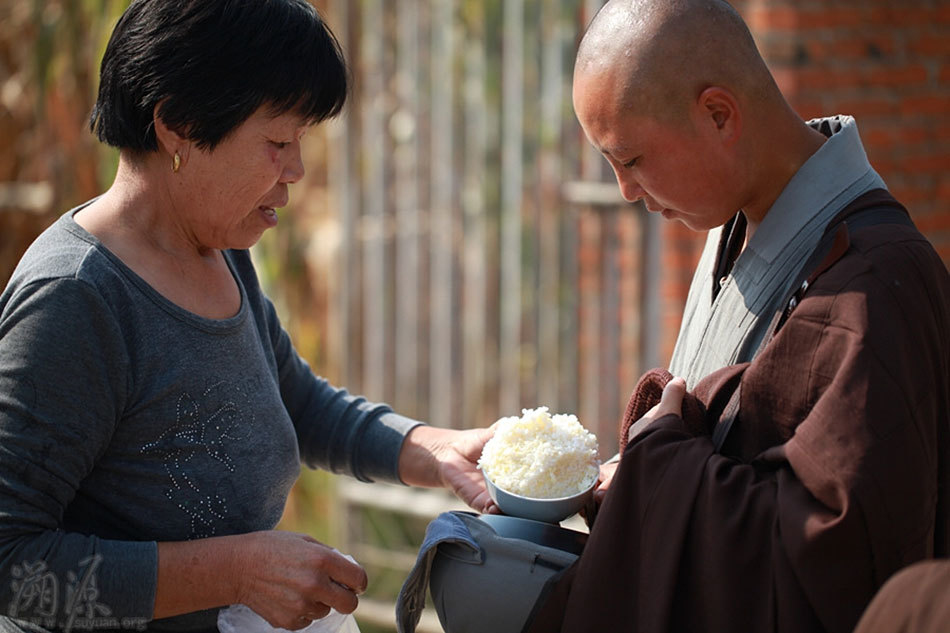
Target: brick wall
x=887 y=63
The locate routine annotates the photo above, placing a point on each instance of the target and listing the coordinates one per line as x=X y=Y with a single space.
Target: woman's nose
x=294 y=169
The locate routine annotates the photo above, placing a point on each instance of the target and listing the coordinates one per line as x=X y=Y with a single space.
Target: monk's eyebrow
x=616 y=152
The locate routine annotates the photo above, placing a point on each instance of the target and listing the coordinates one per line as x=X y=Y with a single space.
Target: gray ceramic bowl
x=547 y=510
x=538 y=532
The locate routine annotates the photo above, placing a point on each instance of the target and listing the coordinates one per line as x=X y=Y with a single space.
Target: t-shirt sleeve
x=336 y=430
x=63 y=385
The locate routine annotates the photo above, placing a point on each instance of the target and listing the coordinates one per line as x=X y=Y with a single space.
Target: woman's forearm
x=418 y=464
x=288 y=579
x=432 y=456
x=195 y=575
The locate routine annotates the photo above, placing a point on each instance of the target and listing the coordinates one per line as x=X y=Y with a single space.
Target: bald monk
x=834 y=472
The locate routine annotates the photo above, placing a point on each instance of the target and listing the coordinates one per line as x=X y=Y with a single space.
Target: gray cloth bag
x=479 y=581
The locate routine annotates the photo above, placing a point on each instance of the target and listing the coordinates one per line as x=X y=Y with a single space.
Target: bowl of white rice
x=540 y=466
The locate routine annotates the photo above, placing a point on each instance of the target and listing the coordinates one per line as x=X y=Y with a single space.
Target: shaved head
x=676 y=97
x=661 y=54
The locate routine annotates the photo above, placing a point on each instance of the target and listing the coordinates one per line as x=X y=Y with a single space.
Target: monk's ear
x=720 y=109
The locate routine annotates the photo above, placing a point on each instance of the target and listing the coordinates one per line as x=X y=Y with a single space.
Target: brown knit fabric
x=646 y=395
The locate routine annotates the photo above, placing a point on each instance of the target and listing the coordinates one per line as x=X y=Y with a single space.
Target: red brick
x=820 y=49
x=924 y=129
x=900 y=76
x=884 y=164
x=808 y=108
x=833 y=18
x=880 y=138
x=942 y=246
x=902 y=16
x=943 y=249
x=673 y=291
x=908 y=134
x=772 y=18
x=929 y=45
x=943 y=189
x=933 y=223
x=935 y=162
x=673 y=260
x=929 y=207
x=913 y=197
x=850 y=47
x=867 y=107
x=918 y=135
x=927 y=104
x=824 y=80
x=900 y=192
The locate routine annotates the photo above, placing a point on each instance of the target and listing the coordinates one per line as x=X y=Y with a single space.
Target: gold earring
x=176 y=162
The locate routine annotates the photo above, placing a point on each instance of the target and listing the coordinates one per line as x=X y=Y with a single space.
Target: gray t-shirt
x=126 y=420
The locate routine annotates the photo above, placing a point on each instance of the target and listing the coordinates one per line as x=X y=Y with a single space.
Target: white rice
x=541 y=456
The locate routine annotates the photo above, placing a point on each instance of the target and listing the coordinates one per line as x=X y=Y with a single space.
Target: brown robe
x=834 y=476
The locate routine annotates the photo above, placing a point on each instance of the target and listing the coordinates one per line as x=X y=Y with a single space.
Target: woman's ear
x=169 y=140
x=721 y=109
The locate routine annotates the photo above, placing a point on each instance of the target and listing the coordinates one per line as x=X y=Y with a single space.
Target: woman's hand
x=288 y=579
x=607 y=471
x=291 y=579
x=435 y=457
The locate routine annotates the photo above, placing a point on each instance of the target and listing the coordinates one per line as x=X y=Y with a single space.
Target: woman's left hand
x=434 y=457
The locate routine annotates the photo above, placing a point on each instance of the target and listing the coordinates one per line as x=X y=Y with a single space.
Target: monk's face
x=676 y=164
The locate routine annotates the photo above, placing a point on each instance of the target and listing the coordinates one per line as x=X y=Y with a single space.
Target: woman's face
x=231 y=194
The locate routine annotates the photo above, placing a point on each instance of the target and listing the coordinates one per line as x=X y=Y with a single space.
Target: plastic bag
x=239 y=618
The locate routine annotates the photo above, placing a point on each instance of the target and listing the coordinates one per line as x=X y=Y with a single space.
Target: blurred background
x=457 y=249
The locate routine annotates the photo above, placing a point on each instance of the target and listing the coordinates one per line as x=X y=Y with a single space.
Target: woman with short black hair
x=153 y=411
x=209 y=65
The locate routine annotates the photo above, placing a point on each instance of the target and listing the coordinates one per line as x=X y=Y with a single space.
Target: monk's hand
x=671 y=402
